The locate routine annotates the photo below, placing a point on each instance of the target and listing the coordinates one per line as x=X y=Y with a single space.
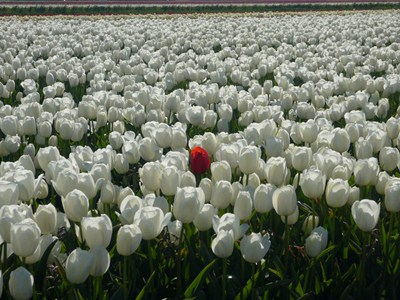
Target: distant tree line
x=170 y=9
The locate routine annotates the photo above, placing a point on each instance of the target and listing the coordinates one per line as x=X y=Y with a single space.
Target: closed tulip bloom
x=353 y=130
x=312 y=182
x=301 y=158
x=228 y=152
x=199 y=160
x=25 y=237
x=363 y=148
x=45 y=242
x=101 y=261
x=221 y=170
x=179 y=138
x=148 y=149
x=392 y=195
x=292 y=218
x=170 y=180
x=131 y=151
x=107 y=193
x=121 y=164
x=9 y=125
x=254 y=247
x=78 y=266
x=389 y=158
x=25 y=181
x=276 y=170
x=337 y=192
x=354 y=195
x=162 y=134
x=188 y=202
x=263 y=197
x=10 y=215
x=204 y=219
x=229 y=221
x=366 y=171
x=206 y=185
x=188 y=179
x=97 y=231
x=253 y=181
x=393 y=127
x=284 y=200
x=340 y=141
x=115 y=139
x=222 y=244
x=129 y=238
x=76 y=205
x=308 y=131
x=383 y=178
x=248 y=159
x=87 y=185
x=317 y=241
x=150 y=175
x=366 y=214
x=20 y=284
x=46 y=218
x=274 y=146
x=151 y=221
x=222 y=194
x=309 y=224
x=65 y=182
x=9 y=193
x=243 y=205
x=195 y=115
x=128 y=207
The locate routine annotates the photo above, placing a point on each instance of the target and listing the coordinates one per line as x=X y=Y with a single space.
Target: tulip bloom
x=101 y=261
x=222 y=245
x=97 y=231
x=76 y=205
x=316 y=241
x=151 y=221
x=129 y=238
x=366 y=214
x=25 y=237
x=78 y=266
x=284 y=200
x=254 y=247
x=392 y=195
x=199 y=160
x=21 y=284
x=188 y=202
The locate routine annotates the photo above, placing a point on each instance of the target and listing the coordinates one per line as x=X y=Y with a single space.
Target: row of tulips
x=170 y=157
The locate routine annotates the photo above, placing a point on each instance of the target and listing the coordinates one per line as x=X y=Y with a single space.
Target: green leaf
x=42 y=265
x=196 y=284
x=146 y=288
x=246 y=291
x=119 y=294
x=325 y=252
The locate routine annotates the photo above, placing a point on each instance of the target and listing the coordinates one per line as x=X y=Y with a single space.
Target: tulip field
x=219 y=156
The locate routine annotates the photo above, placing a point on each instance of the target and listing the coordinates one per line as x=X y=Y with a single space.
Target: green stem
x=253 y=281
x=224 y=277
x=387 y=254
x=286 y=248
x=333 y=225
x=361 y=270
x=307 y=277
x=125 y=277
x=242 y=277
x=179 y=287
x=150 y=257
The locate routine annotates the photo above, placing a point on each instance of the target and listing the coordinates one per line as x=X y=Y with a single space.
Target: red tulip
x=199 y=160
